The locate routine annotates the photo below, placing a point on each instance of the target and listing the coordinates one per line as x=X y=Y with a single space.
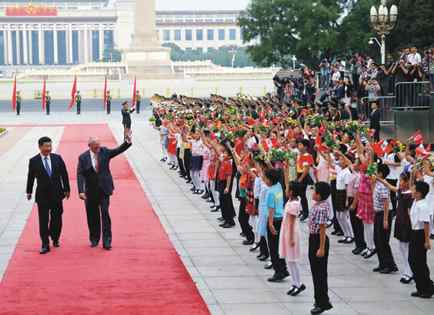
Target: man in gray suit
x=95 y=186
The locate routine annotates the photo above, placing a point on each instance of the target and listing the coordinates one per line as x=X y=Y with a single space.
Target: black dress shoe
x=107 y=246
x=342 y=241
x=340 y=233
x=277 y=277
x=248 y=242
x=44 y=250
x=228 y=225
x=216 y=209
x=377 y=269
x=205 y=196
x=291 y=290
x=297 y=291
x=349 y=240
x=254 y=248
x=406 y=280
x=334 y=232
x=93 y=244
x=220 y=219
x=320 y=309
x=242 y=234
x=358 y=250
x=264 y=258
x=56 y=244
x=388 y=270
x=268 y=266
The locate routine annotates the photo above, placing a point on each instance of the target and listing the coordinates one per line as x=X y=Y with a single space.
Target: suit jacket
x=91 y=182
x=375 y=120
x=48 y=189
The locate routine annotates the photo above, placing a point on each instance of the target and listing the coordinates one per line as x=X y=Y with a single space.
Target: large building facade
x=67 y=32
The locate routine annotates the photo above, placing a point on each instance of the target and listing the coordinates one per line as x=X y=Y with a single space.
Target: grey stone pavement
x=228 y=276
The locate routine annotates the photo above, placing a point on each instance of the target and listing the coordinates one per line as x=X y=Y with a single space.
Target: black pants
x=358 y=229
x=97 y=210
x=318 y=267
x=187 y=162
x=393 y=199
x=279 y=265
x=180 y=162
x=381 y=241
x=18 y=109
x=47 y=107
x=301 y=191
x=376 y=135
x=78 y=109
x=336 y=225
x=50 y=221
x=417 y=260
x=138 y=107
x=243 y=219
x=226 y=203
x=263 y=247
x=109 y=108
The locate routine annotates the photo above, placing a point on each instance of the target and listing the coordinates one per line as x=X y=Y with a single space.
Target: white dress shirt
x=48 y=160
x=93 y=158
x=420 y=214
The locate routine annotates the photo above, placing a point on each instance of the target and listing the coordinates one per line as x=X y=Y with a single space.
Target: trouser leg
x=55 y=226
x=44 y=216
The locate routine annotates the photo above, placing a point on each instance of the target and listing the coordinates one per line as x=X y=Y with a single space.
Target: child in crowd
x=289 y=243
x=402 y=222
x=420 y=243
x=383 y=223
x=275 y=203
x=319 y=246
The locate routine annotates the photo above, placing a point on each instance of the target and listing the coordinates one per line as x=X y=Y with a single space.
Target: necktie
x=47 y=166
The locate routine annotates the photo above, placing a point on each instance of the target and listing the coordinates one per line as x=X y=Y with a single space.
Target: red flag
x=14 y=95
x=418 y=137
x=44 y=95
x=134 y=93
x=377 y=148
x=73 y=93
x=105 y=93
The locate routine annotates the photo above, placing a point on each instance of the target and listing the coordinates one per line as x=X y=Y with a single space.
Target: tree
x=415 y=24
x=283 y=28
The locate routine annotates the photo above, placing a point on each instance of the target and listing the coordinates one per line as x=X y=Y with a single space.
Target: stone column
x=30 y=45
x=25 y=47
x=101 y=42
x=86 y=45
x=18 y=46
x=41 y=45
x=145 y=33
x=56 y=46
x=70 y=46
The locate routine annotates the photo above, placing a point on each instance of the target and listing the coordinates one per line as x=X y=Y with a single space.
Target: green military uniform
x=78 y=103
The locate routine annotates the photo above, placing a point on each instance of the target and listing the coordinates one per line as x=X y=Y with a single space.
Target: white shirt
x=395 y=171
x=48 y=160
x=93 y=160
x=414 y=59
x=420 y=214
x=343 y=178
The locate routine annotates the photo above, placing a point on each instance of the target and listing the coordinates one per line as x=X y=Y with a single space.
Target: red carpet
x=141 y=275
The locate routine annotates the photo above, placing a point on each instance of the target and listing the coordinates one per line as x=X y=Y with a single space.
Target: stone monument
x=146 y=58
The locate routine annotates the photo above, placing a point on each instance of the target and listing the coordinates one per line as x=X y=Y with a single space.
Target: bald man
x=95 y=186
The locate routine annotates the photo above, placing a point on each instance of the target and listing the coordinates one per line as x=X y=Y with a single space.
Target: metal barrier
x=385 y=106
x=413 y=95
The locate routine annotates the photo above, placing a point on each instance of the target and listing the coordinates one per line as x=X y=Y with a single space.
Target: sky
x=201 y=4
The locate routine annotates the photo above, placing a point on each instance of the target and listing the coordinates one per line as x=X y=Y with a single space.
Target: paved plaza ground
x=228 y=276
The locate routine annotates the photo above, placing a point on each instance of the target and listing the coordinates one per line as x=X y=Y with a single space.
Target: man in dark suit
x=95 y=186
x=52 y=187
x=375 y=121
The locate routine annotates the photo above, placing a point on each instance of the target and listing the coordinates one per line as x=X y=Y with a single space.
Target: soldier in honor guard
x=48 y=102
x=108 y=103
x=138 y=101
x=78 y=102
x=18 y=103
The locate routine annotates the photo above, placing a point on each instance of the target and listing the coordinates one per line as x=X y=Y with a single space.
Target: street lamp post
x=383 y=21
